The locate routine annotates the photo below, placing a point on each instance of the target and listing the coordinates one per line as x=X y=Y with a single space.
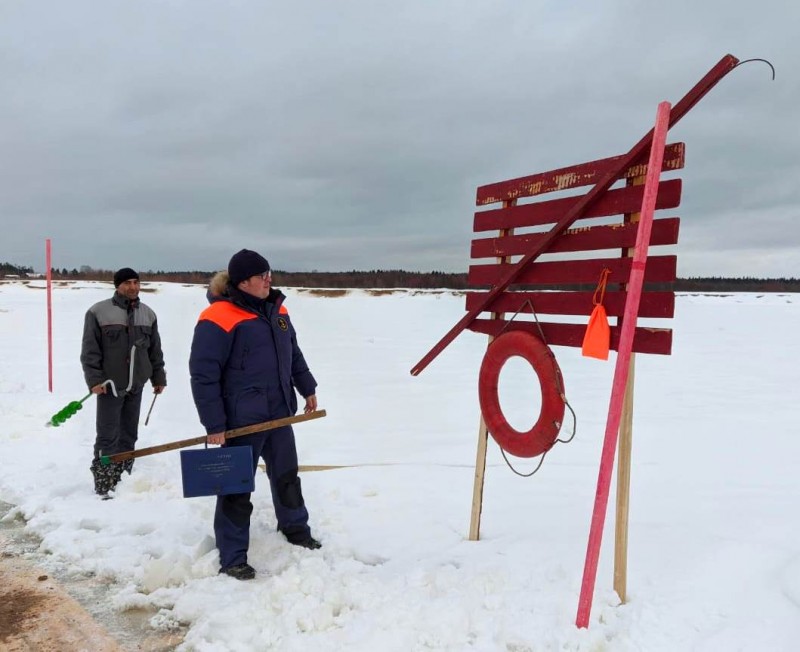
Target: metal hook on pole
x=763 y=61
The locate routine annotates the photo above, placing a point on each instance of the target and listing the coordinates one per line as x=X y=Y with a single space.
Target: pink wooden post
x=48 y=262
x=622 y=365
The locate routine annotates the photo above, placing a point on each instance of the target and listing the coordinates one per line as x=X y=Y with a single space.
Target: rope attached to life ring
x=544 y=433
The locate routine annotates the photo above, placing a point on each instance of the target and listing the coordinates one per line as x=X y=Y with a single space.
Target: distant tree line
x=398 y=278
x=394 y=278
x=7 y=269
x=743 y=284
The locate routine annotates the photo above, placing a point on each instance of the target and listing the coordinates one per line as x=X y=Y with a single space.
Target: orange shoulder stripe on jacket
x=225 y=315
x=283 y=310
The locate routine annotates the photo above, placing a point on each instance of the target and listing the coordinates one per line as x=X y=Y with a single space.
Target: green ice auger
x=66 y=412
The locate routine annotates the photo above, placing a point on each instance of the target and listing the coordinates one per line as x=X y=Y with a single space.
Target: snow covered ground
x=714 y=550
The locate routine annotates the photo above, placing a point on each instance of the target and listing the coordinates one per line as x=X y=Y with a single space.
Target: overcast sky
x=352 y=134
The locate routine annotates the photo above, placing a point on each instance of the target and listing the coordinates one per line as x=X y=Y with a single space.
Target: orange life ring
x=542 y=436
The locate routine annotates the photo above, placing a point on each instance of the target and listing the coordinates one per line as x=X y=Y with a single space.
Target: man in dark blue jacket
x=245 y=365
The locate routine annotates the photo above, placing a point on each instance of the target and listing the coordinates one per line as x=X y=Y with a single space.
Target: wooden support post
x=624 y=489
x=483 y=432
x=477 y=487
x=624 y=456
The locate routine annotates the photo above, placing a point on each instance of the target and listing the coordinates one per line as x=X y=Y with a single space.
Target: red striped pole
x=623 y=364
x=48 y=262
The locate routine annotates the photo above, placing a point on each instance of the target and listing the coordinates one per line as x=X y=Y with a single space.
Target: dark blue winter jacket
x=245 y=362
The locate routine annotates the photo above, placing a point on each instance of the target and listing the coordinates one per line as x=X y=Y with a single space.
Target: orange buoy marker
x=597 y=340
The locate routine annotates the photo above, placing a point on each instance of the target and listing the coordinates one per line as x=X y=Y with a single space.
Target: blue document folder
x=217 y=471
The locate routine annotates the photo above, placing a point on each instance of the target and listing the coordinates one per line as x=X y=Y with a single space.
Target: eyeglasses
x=266 y=276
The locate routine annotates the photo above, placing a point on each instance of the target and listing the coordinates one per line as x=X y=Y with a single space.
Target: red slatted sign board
x=591 y=236
x=600 y=201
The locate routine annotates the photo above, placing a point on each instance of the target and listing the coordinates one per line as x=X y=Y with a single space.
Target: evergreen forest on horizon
x=397 y=278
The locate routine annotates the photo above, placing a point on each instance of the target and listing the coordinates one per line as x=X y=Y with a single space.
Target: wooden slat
x=613 y=202
x=645 y=340
x=659 y=269
x=653 y=304
x=574 y=176
x=588 y=238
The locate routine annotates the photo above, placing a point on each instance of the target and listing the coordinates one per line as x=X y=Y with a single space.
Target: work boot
x=101 y=484
x=106 y=476
x=311 y=543
x=239 y=572
x=116 y=472
x=299 y=535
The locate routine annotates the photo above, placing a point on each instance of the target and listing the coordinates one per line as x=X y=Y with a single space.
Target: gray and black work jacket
x=121 y=342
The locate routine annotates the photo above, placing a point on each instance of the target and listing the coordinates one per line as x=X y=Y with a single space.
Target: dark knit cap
x=124 y=274
x=244 y=264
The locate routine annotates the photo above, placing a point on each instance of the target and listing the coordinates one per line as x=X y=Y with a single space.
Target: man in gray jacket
x=121 y=351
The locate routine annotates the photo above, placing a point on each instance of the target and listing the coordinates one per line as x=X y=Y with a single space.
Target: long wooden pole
x=477 y=486
x=624 y=488
x=637 y=152
x=622 y=367
x=624 y=455
x=229 y=434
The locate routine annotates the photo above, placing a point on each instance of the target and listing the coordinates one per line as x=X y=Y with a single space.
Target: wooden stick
x=483 y=432
x=229 y=434
x=477 y=487
x=624 y=489
x=622 y=367
x=624 y=453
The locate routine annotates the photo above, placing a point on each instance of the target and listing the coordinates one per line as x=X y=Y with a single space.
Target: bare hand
x=217 y=439
x=311 y=404
x=157 y=389
x=99 y=389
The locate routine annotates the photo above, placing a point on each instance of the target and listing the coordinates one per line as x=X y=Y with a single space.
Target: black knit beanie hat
x=244 y=264
x=124 y=274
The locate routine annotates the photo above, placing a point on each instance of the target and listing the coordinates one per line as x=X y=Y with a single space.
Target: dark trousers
x=117 y=422
x=232 y=516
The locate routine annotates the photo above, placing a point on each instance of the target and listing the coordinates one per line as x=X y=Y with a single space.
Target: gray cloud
x=353 y=134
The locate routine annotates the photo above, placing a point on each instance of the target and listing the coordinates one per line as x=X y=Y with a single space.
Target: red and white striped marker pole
x=624 y=351
x=48 y=263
